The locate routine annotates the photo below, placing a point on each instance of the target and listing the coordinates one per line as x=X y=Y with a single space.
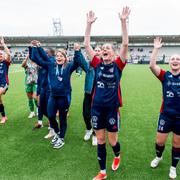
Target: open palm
x=91 y=17
x=2 y=40
x=157 y=42
x=125 y=13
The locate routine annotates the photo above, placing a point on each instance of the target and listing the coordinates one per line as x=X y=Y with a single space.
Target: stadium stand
x=140 y=47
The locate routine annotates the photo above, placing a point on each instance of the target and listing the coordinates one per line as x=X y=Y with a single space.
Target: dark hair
x=51 y=51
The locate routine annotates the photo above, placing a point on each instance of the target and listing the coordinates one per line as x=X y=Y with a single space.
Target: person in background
x=87 y=102
x=5 y=61
x=31 y=71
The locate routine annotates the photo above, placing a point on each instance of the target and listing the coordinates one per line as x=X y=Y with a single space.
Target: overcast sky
x=34 y=17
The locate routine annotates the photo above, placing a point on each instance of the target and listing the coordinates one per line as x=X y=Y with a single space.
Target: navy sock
x=116 y=149
x=101 y=152
x=159 y=150
x=2 y=110
x=175 y=156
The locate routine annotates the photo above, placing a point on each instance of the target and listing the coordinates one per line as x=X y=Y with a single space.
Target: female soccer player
x=31 y=70
x=107 y=94
x=43 y=90
x=59 y=74
x=88 y=88
x=169 y=118
x=5 y=60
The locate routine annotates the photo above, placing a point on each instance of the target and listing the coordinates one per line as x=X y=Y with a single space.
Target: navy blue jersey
x=171 y=93
x=42 y=82
x=107 y=90
x=4 y=67
x=58 y=75
x=42 y=73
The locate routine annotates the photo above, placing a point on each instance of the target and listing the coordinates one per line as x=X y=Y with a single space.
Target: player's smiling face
x=60 y=58
x=174 y=62
x=1 y=55
x=107 y=53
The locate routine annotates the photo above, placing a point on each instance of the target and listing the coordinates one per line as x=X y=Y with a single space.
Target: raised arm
x=41 y=51
x=7 y=51
x=152 y=65
x=78 y=59
x=43 y=54
x=24 y=63
x=90 y=20
x=125 y=40
x=35 y=57
x=81 y=60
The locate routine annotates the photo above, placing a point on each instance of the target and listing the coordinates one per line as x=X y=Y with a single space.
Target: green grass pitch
x=26 y=155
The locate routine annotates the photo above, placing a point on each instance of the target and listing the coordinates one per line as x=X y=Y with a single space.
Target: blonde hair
x=63 y=52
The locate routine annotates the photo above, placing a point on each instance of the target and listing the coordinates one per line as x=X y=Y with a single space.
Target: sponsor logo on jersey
x=175 y=83
x=108 y=75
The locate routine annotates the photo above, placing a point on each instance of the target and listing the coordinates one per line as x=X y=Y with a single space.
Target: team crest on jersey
x=111 y=70
x=169 y=83
x=170 y=76
x=112 y=121
x=1 y=65
x=162 y=122
x=100 y=74
x=60 y=78
x=94 y=119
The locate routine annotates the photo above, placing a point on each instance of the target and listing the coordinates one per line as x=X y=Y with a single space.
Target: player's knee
x=176 y=142
x=160 y=142
x=112 y=142
x=101 y=140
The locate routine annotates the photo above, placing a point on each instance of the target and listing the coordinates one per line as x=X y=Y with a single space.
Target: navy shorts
x=167 y=124
x=105 y=118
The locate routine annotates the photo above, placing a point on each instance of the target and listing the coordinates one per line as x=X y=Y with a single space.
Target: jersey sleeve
x=161 y=75
x=95 y=61
x=120 y=63
x=7 y=63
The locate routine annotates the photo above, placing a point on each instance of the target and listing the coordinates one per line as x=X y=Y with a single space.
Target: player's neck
x=175 y=72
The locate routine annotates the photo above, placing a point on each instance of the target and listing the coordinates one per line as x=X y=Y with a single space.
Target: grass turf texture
x=26 y=155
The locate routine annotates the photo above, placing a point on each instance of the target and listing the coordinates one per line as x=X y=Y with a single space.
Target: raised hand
x=2 y=41
x=158 y=43
x=77 y=46
x=91 y=17
x=35 y=43
x=125 y=13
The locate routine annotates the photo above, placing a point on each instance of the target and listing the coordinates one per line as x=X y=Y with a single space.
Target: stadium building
x=140 y=47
